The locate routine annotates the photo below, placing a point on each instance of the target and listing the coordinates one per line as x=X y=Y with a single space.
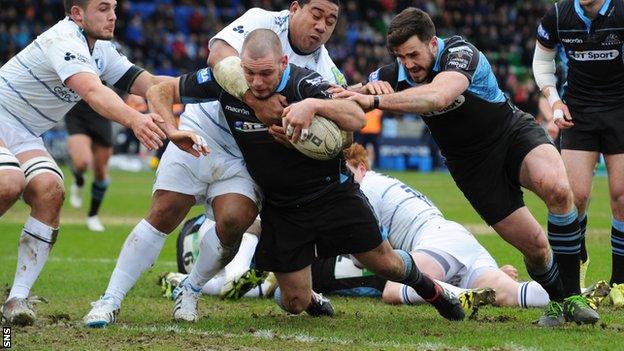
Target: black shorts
x=490 y=180
x=596 y=131
x=338 y=276
x=339 y=222
x=83 y=120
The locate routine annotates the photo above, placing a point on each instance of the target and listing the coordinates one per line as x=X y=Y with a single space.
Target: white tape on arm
x=544 y=67
x=229 y=74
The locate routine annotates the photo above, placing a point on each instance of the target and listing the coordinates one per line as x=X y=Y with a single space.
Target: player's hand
x=511 y=271
x=335 y=89
x=377 y=88
x=268 y=111
x=278 y=133
x=190 y=142
x=296 y=119
x=147 y=131
x=561 y=115
x=365 y=101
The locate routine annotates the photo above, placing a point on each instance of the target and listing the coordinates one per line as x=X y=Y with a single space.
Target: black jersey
x=286 y=176
x=478 y=117
x=593 y=49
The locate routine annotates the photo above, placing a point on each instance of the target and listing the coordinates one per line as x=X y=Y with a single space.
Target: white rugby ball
x=324 y=140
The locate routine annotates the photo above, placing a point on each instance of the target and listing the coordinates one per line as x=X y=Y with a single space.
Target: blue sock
x=564 y=235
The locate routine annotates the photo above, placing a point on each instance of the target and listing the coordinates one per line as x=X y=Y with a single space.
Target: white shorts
x=206 y=177
x=459 y=254
x=17 y=138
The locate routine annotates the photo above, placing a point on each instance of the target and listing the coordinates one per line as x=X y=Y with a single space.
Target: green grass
x=81 y=263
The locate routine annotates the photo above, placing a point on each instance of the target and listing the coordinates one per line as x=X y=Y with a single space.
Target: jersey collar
x=581 y=13
x=81 y=31
x=436 y=67
x=284 y=81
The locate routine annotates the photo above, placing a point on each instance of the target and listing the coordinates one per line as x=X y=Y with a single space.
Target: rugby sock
x=242 y=260
x=34 y=247
x=79 y=176
x=258 y=291
x=583 y=226
x=564 y=236
x=422 y=284
x=214 y=285
x=212 y=258
x=548 y=277
x=98 y=189
x=139 y=252
x=617 y=252
x=531 y=294
x=410 y=297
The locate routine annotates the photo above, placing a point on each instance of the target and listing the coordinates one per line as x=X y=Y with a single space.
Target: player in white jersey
x=220 y=181
x=38 y=87
x=441 y=248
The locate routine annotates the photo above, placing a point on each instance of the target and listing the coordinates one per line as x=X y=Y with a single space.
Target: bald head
x=261 y=43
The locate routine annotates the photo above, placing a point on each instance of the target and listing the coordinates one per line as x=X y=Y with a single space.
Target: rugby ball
x=324 y=140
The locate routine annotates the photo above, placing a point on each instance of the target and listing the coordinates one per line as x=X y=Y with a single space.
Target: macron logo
x=239 y=110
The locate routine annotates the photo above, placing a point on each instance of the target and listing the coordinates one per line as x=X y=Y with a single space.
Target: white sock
x=138 y=253
x=210 y=259
x=34 y=247
x=410 y=297
x=531 y=294
x=214 y=285
x=241 y=262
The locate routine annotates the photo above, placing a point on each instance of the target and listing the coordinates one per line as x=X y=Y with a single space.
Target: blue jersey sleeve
x=199 y=86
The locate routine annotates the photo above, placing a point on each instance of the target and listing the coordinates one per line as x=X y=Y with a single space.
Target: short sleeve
x=235 y=33
x=547 y=29
x=313 y=85
x=462 y=58
x=114 y=65
x=328 y=70
x=68 y=56
x=199 y=86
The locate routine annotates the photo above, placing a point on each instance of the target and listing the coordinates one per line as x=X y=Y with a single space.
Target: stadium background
x=170 y=37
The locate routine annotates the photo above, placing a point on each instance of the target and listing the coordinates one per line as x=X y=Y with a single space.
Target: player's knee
x=559 y=193
x=295 y=303
x=166 y=215
x=11 y=187
x=617 y=203
x=80 y=166
x=45 y=190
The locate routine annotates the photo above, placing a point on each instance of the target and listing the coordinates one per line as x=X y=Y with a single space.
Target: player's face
x=358 y=172
x=263 y=75
x=99 y=18
x=311 y=26
x=589 y=3
x=417 y=57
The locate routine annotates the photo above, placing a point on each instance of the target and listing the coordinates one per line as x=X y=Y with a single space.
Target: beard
x=95 y=35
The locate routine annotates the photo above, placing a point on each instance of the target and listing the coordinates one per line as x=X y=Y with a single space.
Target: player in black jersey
x=491 y=149
x=90 y=144
x=311 y=208
x=591 y=115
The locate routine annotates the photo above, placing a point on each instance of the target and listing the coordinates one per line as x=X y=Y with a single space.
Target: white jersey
x=402 y=210
x=32 y=93
x=318 y=61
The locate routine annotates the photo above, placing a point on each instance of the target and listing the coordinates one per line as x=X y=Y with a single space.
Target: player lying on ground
x=38 y=86
x=492 y=149
x=220 y=182
x=303 y=214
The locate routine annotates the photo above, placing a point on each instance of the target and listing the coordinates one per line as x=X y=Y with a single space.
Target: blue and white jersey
x=32 y=93
x=402 y=211
x=478 y=117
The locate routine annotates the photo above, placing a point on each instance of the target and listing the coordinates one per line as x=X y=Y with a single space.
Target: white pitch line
x=87 y=260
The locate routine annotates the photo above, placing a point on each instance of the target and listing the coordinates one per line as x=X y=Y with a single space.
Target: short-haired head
x=410 y=22
x=263 y=62
x=261 y=43
x=311 y=23
x=68 y=4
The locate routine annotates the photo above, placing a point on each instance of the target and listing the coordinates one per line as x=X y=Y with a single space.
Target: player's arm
x=544 y=69
x=146 y=80
x=108 y=104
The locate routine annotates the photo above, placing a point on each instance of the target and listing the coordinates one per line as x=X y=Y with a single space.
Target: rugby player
x=90 y=144
x=221 y=181
x=38 y=87
x=311 y=208
x=589 y=33
x=491 y=148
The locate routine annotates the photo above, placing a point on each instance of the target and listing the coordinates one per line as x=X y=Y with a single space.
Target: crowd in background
x=171 y=36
